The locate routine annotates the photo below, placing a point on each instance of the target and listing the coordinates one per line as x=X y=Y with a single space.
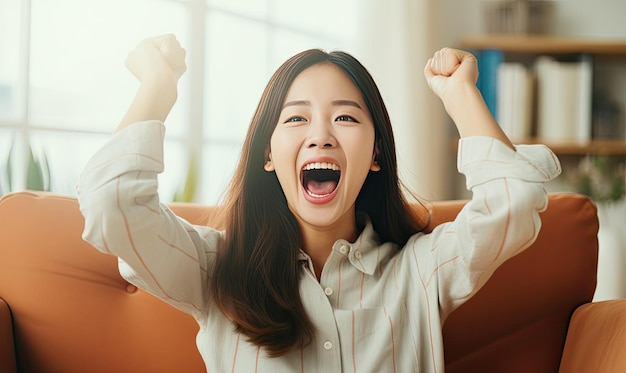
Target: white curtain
x=396 y=39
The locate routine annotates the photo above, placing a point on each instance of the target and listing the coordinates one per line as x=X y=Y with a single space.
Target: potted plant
x=37 y=174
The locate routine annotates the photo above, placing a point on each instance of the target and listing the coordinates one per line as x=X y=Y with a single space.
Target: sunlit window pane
x=175 y=169
x=9 y=57
x=73 y=79
x=50 y=150
x=327 y=18
x=250 y=8
x=219 y=163
x=78 y=78
x=287 y=43
x=237 y=72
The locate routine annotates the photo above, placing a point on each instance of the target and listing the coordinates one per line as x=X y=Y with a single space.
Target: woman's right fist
x=158 y=57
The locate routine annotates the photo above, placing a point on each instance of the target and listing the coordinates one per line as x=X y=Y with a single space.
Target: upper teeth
x=321 y=166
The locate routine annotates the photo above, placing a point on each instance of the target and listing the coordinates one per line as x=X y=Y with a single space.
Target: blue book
x=488 y=62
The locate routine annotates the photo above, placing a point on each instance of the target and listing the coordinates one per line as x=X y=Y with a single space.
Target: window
x=64 y=87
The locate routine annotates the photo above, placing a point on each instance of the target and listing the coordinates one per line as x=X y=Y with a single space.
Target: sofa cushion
x=518 y=321
x=72 y=312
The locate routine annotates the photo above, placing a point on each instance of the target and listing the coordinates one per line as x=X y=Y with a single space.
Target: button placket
x=327 y=337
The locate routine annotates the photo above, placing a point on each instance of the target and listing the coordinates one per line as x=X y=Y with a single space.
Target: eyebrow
x=334 y=103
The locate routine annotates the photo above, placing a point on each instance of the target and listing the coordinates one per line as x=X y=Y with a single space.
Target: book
x=488 y=62
x=564 y=97
x=515 y=86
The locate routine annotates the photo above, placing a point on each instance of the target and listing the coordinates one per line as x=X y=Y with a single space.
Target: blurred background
x=64 y=87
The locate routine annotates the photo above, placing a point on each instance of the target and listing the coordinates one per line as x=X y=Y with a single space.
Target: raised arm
x=118 y=190
x=158 y=63
x=507 y=184
x=452 y=74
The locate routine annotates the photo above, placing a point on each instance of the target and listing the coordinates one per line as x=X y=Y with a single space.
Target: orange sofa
x=65 y=308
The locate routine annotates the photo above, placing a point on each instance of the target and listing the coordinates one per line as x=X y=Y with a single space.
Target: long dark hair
x=256 y=275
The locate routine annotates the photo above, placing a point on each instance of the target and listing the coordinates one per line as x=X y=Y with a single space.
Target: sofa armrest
x=596 y=338
x=7 y=343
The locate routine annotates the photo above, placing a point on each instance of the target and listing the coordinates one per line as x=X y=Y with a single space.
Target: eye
x=295 y=119
x=346 y=118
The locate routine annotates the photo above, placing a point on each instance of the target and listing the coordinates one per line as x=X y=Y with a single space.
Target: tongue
x=321 y=188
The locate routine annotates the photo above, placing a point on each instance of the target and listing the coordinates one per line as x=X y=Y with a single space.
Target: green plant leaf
x=9 y=166
x=34 y=174
x=45 y=167
x=187 y=192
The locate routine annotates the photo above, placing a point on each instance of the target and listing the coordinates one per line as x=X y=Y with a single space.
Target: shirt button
x=357 y=254
x=343 y=249
x=328 y=345
x=328 y=291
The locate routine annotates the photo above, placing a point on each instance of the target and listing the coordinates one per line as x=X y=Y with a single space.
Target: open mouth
x=320 y=179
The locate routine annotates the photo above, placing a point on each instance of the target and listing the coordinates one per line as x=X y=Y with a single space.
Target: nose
x=320 y=135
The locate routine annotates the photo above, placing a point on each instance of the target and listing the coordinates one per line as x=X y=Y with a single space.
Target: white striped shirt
x=375 y=308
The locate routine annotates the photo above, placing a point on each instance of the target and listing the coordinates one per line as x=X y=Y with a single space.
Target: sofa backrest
x=72 y=312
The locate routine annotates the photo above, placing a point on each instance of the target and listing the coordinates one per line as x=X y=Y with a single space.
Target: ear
x=375 y=166
x=269 y=165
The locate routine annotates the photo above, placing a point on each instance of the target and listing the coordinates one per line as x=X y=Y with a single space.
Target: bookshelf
x=598 y=147
x=548 y=44
x=602 y=51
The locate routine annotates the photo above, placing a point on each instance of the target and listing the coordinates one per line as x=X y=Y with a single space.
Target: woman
x=321 y=265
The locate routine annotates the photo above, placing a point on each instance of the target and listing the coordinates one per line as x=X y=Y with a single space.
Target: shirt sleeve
x=118 y=197
x=501 y=219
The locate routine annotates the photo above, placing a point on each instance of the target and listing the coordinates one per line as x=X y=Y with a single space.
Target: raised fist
x=157 y=57
x=448 y=69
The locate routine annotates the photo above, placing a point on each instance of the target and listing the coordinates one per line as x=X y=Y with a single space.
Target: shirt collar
x=363 y=253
